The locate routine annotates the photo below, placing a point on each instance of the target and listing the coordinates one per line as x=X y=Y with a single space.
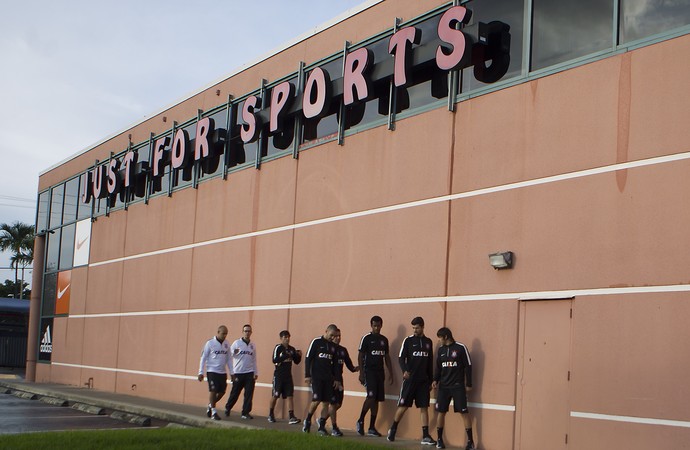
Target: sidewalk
x=176 y=413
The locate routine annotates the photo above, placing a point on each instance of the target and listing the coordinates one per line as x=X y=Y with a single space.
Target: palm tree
x=19 y=239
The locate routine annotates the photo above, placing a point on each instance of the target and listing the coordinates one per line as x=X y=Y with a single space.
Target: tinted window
x=426 y=84
x=562 y=31
x=67 y=247
x=161 y=183
x=283 y=141
x=642 y=18
x=362 y=113
x=42 y=215
x=183 y=177
x=143 y=155
x=49 y=291
x=83 y=209
x=53 y=252
x=214 y=165
x=57 y=197
x=327 y=126
x=509 y=12
x=99 y=210
x=71 y=200
x=241 y=153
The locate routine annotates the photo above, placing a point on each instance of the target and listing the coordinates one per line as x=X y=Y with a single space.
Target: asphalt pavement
x=138 y=408
x=23 y=415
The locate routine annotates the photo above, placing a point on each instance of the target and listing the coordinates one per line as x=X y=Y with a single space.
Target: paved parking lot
x=20 y=415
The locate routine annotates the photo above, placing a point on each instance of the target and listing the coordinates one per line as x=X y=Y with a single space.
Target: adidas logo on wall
x=46 y=342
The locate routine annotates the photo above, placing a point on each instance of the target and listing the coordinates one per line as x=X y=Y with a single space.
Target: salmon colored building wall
x=535 y=168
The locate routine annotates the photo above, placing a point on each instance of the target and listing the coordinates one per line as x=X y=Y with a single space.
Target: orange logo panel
x=64 y=283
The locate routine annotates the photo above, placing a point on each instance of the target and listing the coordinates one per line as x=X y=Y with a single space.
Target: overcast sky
x=73 y=72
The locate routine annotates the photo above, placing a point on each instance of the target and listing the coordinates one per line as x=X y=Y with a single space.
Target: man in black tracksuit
x=342 y=359
x=320 y=371
x=284 y=355
x=373 y=355
x=453 y=378
x=416 y=361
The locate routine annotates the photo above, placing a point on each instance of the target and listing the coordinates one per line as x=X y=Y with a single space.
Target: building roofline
x=294 y=41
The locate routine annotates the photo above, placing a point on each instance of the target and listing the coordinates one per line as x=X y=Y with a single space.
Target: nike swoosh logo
x=62 y=291
x=82 y=242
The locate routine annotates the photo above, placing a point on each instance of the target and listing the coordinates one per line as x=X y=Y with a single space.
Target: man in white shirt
x=215 y=357
x=244 y=372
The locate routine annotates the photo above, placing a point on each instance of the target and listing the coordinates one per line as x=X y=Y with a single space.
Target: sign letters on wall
x=451 y=48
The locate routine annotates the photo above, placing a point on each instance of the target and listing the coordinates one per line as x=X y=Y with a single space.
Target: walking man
x=373 y=353
x=453 y=378
x=319 y=371
x=342 y=359
x=284 y=355
x=215 y=357
x=244 y=372
x=416 y=361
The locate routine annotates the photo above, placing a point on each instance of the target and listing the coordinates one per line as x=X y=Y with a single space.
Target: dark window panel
x=57 y=199
x=509 y=12
x=71 y=200
x=327 y=126
x=642 y=18
x=183 y=177
x=53 y=252
x=49 y=291
x=562 y=31
x=83 y=209
x=67 y=247
x=43 y=207
x=214 y=165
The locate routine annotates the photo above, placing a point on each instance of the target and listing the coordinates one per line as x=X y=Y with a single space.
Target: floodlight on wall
x=501 y=260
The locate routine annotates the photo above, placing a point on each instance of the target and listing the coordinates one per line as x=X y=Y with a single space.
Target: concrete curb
x=23 y=394
x=132 y=418
x=122 y=406
x=90 y=409
x=54 y=401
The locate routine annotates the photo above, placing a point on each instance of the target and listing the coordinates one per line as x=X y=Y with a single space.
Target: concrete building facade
x=558 y=134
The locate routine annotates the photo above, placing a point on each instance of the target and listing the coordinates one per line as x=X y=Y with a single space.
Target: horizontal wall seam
x=414 y=204
x=492 y=406
x=631 y=419
x=519 y=296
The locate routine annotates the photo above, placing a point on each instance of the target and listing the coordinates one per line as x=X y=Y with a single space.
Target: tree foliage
x=10 y=288
x=18 y=238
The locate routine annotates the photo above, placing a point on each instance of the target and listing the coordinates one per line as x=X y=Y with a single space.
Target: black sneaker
x=322 y=432
x=470 y=446
x=440 y=444
x=360 y=428
x=294 y=420
x=428 y=440
x=306 y=426
x=227 y=411
x=336 y=432
x=208 y=411
x=247 y=416
x=271 y=419
x=215 y=416
x=391 y=435
x=373 y=432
